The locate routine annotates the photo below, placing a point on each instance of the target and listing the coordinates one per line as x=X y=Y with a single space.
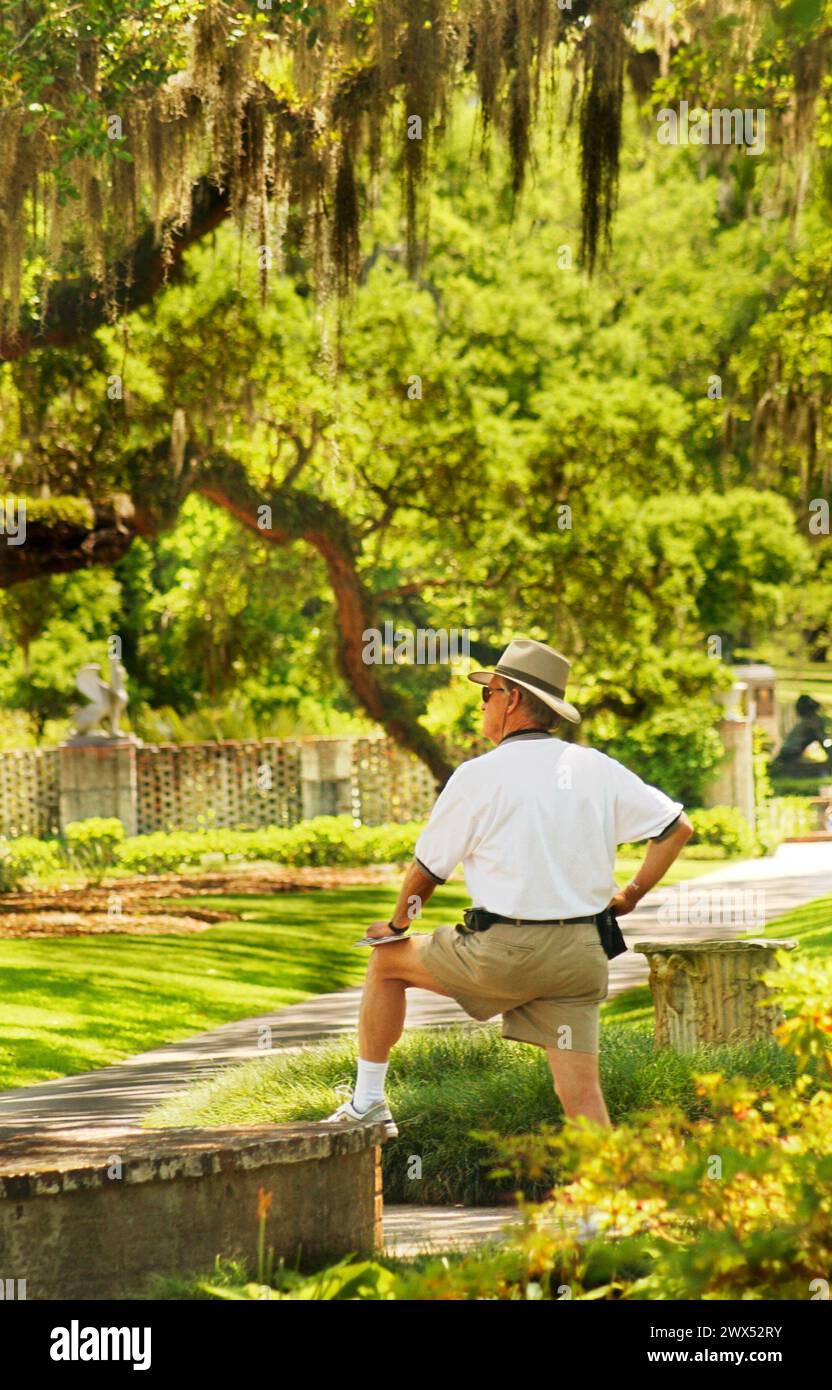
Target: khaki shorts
x=547 y=982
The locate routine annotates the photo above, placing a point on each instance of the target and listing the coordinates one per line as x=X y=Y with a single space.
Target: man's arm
x=661 y=853
x=416 y=889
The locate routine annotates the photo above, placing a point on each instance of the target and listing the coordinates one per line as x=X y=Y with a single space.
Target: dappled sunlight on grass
x=76 y=1003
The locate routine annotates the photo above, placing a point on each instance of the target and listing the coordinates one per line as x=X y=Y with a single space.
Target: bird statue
x=107 y=701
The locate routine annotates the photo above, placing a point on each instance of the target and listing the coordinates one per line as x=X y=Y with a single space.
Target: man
x=535 y=823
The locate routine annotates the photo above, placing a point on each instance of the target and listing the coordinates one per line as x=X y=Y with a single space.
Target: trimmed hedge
x=99 y=843
x=326 y=840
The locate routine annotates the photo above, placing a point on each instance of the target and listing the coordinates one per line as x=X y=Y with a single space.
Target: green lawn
x=72 y=1004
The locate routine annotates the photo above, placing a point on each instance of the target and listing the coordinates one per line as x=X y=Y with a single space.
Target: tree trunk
x=300 y=516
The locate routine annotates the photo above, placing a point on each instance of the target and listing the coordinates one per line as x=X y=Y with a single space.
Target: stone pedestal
x=326 y=777
x=97 y=777
x=709 y=991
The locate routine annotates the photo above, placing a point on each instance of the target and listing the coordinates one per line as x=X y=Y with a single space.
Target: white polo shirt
x=536 y=822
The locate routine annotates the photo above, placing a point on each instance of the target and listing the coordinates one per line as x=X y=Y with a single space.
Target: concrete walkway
x=113 y=1099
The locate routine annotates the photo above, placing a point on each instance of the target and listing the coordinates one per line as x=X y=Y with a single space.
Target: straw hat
x=537 y=668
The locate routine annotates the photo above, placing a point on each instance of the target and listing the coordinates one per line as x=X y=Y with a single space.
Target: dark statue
x=811 y=727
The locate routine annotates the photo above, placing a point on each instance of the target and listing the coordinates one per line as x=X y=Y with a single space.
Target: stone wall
x=239 y=784
x=233 y=784
x=29 y=792
x=94 y=1219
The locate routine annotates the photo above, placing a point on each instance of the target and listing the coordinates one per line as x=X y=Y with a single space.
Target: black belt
x=545 y=921
x=477 y=919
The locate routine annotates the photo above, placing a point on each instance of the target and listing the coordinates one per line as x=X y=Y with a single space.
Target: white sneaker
x=378 y=1112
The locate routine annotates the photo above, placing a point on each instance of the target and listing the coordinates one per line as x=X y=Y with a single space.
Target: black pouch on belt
x=610 y=933
x=477 y=919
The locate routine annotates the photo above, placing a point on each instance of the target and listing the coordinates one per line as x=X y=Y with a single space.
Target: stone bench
x=91 y=1217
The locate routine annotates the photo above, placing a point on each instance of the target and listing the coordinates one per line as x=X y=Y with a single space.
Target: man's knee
x=402 y=961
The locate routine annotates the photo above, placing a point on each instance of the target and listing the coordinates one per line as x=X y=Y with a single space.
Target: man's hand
x=381 y=929
x=625 y=900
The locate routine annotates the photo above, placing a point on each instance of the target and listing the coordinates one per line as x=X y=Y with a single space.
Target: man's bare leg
x=392 y=969
x=578 y=1084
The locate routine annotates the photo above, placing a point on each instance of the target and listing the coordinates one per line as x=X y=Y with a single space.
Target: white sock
x=369 y=1086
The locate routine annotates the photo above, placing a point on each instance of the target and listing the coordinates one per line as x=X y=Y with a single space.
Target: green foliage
x=94 y=844
x=782 y=817
x=60 y=511
x=724 y=827
x=541 y=392
x=763 y=788
x=49 y=628
x=720 y=832
x=26 y=857
x=348 y=1279
x=326 y=840
x=799 y=787
x=99 y=843
x=675 y=749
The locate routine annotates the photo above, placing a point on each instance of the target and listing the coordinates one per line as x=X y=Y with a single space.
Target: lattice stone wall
x=389 y=784
x=29 y=792
x=238 y=784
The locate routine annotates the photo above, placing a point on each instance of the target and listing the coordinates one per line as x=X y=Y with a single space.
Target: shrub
x=676 y=749
x=781 y=817
x=386 y=844
x=324 y=841
x=26 y=857
x=724 y=828
x=801 y=786
x=169 y=851
x=94 y=844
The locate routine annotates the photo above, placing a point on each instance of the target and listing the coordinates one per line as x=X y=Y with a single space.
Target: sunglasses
x=489 y=690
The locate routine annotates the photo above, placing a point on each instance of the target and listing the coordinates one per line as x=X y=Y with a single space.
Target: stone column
x=97 y=777
x=326 y=777
x=733 y=784
x=709 y=991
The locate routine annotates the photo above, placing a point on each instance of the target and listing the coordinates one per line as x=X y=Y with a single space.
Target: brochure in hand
x=381 y=940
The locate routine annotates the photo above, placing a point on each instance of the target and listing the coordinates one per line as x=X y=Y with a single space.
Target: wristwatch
x=398 y=930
